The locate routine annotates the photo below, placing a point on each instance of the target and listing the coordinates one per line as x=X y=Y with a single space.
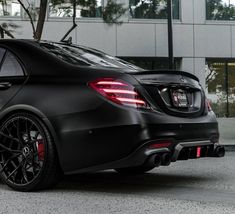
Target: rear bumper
x=109 y=136
x=148 y=156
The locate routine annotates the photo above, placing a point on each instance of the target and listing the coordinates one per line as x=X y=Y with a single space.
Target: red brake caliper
x=40 y=149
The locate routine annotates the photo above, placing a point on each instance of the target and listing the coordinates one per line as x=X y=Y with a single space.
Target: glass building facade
x=146 y=9
x=91 y=8
x=220 y=86
x=138 y=9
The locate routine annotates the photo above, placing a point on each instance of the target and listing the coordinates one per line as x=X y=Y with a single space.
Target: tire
x=134 y=170
x=28 y=157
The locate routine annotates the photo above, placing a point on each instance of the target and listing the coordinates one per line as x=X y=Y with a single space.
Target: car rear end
x=124 y=116
x=178 y=122
x=189 y=122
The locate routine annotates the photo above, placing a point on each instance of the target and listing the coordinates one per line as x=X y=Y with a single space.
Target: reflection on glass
x=86 y=8
x=152 y=9
x=220 y=87
x=220 y=9
x=9 y=8
x=215 y=85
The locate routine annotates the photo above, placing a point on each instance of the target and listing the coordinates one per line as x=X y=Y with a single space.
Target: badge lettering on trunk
x=179 y=98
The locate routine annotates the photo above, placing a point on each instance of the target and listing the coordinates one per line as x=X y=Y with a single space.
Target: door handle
x=5 y=85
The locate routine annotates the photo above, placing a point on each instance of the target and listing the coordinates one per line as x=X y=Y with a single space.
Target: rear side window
x=84 y=56
x=11 y=67
x=2 y=52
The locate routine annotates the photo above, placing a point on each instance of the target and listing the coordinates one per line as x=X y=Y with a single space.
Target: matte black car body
x=93 y=133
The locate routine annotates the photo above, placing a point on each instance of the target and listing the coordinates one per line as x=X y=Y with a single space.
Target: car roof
x=36 y=60
x=39 y=61
x=37 y=43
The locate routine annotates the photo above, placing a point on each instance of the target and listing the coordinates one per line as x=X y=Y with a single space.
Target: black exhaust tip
x=219 y=151
x=154 y=161
x=157 y=160
x=166 y=159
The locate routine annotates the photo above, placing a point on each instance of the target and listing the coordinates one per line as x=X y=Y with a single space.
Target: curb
x=229 y=148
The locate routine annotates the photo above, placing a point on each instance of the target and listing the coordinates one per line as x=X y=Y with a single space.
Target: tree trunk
x=41 y=19
x=75 y=2
x=29 y=15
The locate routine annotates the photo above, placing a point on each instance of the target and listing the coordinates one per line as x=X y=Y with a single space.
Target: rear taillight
x=208 y=105
x=119 y=92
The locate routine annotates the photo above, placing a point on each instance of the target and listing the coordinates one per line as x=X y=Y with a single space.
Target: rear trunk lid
x=176 y=93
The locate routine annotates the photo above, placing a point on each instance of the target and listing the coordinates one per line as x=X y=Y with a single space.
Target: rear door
x=12 y=76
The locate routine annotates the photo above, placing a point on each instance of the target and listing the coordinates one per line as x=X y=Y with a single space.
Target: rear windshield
x=87 y=57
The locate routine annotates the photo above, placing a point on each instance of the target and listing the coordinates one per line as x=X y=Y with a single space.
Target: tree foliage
x=219 y=10
x=88 y=8
x=153 y=9
x=7 y=28
x=148 y=8
x=112 y=12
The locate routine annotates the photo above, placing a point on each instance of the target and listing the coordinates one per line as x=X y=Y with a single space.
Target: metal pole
x=170 y=34
x=227 y=89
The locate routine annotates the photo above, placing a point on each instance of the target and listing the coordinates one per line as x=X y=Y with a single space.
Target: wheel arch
x=7 y=112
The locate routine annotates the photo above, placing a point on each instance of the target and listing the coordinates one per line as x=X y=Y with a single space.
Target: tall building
x=203 y=31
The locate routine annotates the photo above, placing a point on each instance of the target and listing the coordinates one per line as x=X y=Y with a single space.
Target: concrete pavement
x=187 y=187
x=227 y=132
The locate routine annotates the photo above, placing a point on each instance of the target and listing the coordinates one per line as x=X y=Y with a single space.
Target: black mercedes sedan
x=71 y=109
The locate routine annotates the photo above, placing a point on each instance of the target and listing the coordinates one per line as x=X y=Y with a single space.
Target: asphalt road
x=201 y=186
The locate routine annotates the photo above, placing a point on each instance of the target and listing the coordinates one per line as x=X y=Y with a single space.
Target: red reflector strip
x=208 y=105
x=198 y=152
x=159 y=145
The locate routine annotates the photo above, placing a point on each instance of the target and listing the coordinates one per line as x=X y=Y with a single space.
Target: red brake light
x=208 y=105
x=199 y=152
x=119 y=92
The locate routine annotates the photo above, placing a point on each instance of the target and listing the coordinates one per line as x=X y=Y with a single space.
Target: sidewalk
x=227 y=133
x=228 y=144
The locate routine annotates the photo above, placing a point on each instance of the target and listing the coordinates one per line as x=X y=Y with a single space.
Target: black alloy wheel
x=28 y=159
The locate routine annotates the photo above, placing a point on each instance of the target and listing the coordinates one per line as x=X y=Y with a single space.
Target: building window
x=220 y=86
x=152 y=9
x=84 y=9
x=220 y=9
x=9 y=8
